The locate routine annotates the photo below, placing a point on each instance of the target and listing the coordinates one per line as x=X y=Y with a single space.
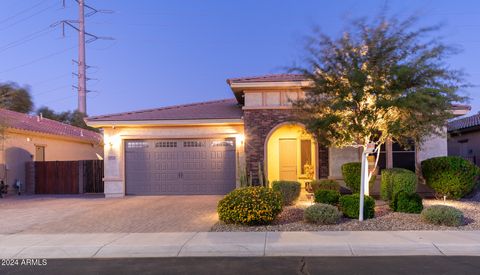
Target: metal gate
x=180 y=167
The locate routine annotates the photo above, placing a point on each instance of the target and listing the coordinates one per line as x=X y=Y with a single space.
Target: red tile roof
x=46 y=126
x=464 y=123
x=268 y=78
x=218 y=109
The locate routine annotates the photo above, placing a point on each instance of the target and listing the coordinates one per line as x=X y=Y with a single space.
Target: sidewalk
x=205 y=244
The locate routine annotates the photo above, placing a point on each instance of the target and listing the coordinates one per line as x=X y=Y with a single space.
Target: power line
x=26 y=39
x=49 y=79
x=51 y=90
x=37 y=60
x=26 y=18
x=22 y=12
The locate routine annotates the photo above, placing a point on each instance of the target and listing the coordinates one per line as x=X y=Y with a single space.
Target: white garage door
x=180 y=167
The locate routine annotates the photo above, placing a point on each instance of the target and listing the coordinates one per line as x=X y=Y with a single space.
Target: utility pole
x=82 y=65
x=82 y=69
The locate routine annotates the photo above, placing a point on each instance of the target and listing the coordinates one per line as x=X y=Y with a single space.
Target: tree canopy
x=381 y=79
x=15 y=98
x=74 y=118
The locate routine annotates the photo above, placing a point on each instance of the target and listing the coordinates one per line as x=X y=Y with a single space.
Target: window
x=305 y=154
x=137 y=144
x=163 y=144
x=194 y=143
x=222 y=143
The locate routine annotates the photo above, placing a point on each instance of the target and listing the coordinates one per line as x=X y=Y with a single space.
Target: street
x=257 y=265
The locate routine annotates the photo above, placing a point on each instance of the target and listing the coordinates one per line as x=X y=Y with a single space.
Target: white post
x=366 y=186
x=362 y=185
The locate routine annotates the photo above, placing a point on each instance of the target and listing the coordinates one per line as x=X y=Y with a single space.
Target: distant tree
x=74 y=118
x=15 y=98
x=382 y=79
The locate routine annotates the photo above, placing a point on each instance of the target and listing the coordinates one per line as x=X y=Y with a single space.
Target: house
x=464 y=138
x=27 y=138
x=202 y=148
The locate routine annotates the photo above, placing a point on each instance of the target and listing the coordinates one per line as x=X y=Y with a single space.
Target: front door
x=288 y=159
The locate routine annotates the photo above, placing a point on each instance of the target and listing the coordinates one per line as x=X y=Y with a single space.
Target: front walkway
x=94 y=214
x=217 y=244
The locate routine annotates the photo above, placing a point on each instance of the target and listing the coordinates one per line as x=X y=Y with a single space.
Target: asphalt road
x=423 y=265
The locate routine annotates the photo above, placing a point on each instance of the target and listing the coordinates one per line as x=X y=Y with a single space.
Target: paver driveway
x=87 y=214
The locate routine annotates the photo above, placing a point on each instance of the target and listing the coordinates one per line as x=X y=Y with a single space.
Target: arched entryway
x=288 y=151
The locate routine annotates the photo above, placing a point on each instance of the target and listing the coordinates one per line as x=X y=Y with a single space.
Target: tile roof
x=268 y=78
x=218 y=109
x=32 y=123
x=464 y=123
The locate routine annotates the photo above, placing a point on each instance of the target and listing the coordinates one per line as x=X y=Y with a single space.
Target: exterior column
x=389 y=153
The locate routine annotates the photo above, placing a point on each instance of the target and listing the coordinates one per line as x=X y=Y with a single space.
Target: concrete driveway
x=90 y=214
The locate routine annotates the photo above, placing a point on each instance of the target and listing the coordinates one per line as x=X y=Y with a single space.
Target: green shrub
x=325 y=184
x=351 y=172
x=290 y=190
x=327 y=196
x=350 y=206
x=320 y=213
x=395 y=180
x=443 y=215
x=453 y=177
x=406 y=203
x=250 y=205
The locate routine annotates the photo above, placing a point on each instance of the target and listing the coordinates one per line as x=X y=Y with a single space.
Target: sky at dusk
x=175 y=52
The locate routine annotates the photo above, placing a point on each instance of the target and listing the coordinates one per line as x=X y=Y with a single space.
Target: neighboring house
x=464 y=138
x=202 y=148
x=29 y=138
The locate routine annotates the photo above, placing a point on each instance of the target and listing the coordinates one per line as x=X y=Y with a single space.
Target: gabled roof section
x=464 y=123
x=218 y=109
x=41 y=125
x=268 y=78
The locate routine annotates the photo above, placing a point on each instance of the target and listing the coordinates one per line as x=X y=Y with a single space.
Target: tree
x=15 y=98
x=74 y=118
x=381 y=80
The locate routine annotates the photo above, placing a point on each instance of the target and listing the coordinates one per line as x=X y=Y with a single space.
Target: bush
x=327 y=196
x=395 y=180
x=443 y=215
x=290 y=190
x=351 y=172
x=250 y=205
x=320 y=213
x=325 y=184
x=407 y=203
x=453 y=177
x=350 y=206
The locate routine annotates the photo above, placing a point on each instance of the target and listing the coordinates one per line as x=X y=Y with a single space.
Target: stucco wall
x=114 y=146
x=465 y=144
x=339 y=156
x=434 y=146
x=19 y=148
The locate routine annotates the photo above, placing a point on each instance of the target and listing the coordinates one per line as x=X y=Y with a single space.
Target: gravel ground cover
x=291 y=219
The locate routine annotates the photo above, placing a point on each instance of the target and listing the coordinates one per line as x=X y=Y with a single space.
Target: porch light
x=240 y=138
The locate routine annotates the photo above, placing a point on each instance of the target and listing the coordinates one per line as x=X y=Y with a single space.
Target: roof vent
x=39 y=117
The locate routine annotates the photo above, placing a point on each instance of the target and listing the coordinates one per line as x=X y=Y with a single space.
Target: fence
x=67 y=177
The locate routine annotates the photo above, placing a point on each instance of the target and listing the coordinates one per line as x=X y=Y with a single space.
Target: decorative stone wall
x=258 y=123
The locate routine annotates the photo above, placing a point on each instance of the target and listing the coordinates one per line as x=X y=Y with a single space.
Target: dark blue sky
x=172 y=52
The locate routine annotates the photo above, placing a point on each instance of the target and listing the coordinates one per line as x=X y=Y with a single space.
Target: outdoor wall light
x=240 y=138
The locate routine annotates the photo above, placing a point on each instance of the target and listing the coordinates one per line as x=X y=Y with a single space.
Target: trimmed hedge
x=327 y=196
x=407 y=203
x=320 y=213
x=250 y=205
x=443 y=215
x=325 y=184
x=453 y=177
x=351 y=172
x=395 y=180
x=350 y=206
x=290 y=190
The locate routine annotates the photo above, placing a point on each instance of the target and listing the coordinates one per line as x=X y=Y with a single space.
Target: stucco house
x=202 y=148
x=464 y=138
x=27 y=138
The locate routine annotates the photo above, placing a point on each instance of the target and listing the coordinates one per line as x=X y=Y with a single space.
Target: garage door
x=180 y=167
